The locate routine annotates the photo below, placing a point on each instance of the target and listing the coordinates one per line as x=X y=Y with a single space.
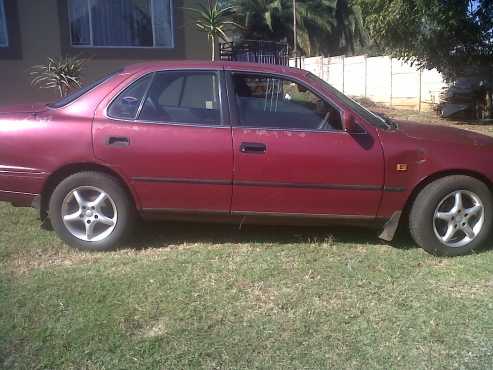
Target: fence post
x=391 y=82
x=366 y=75
x=420 y=88
x=325 y=64
x=343 y=73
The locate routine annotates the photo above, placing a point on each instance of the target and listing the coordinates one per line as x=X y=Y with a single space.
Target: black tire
x=112 y=187
x=421 y=217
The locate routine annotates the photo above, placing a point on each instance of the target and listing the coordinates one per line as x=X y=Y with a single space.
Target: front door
x=165 y=133
x=292 y=156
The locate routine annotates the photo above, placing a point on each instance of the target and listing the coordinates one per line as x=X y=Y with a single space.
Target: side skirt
x=272 y=218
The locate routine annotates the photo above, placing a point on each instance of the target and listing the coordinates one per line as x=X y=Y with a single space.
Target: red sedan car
x=244 y=143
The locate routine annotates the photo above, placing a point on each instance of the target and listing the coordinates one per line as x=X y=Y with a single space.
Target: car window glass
x=272 y=102
x=189 y=97
x=167 y=98
x=126 y=105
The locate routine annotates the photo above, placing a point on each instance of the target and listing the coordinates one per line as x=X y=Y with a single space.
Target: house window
x=123 y=23
x=4 y=39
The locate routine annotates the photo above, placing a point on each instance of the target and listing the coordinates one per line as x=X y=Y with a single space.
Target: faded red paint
x=305 y=173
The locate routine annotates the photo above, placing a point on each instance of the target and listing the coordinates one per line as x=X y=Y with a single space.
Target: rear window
x=83 y=90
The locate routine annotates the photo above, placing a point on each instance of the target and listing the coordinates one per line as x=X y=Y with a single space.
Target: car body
x=217 y=160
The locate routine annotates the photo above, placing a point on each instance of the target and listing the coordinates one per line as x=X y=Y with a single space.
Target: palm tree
x=314 y=20
x=349 y=31
x=213 y=19
x=323 y=26
x=260 y=19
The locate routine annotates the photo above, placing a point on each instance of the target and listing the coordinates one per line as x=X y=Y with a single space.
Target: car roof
x=218 y=65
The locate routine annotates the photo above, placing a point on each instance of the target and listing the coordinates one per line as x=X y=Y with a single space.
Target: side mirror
x=350 y=124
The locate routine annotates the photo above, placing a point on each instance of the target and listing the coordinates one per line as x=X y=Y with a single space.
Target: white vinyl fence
x=382 y=79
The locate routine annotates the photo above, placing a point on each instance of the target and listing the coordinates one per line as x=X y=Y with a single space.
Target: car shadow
x=168 y=234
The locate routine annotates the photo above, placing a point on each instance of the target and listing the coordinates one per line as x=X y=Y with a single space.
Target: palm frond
x=213 y=20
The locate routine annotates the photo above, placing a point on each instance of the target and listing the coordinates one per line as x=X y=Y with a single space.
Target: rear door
x=292 y=156
x=165 y=133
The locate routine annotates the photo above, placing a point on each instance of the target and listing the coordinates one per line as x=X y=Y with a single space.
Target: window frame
x=91 y=37
x=142 y=100
x=5 y=27
x=235 y=116
x=13 y=49
x=223 y=113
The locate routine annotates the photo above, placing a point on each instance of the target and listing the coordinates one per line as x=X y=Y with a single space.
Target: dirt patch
x=155 y=329
x=41 y=259
x=472 y=290
x=34 y=259
x=427 y=118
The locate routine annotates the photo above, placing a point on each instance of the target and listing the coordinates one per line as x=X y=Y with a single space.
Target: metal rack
x=255 y=51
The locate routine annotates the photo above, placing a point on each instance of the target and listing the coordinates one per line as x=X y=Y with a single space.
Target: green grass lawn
x=184 y=296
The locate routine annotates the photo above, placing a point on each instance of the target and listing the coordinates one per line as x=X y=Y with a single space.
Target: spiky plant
x=213 y=19
x=62 y=74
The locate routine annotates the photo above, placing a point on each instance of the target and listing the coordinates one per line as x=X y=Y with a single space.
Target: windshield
x=376 y=119
x=83 y=90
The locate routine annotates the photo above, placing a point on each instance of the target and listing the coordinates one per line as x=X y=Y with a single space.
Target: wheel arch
x=438 y=175
x=70 y=169
x=401 y=217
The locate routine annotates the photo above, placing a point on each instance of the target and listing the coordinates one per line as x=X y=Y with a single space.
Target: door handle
x=258 y=148
x=118 y=141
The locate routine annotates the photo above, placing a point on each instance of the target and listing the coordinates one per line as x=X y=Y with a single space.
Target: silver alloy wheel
x=459 y=218
x=89 y=213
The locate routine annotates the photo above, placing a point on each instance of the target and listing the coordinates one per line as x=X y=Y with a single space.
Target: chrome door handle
x=258 y=148
x=118 y=141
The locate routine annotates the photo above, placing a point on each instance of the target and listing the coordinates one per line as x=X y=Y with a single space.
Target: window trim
x=142 y=100
x=106 y=53
x=13 y=49
x=223 y=115
x=91 y=32
x=5 y=28
x=235 y=120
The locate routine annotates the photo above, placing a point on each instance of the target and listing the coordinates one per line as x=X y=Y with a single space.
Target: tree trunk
x=489 y=104
x=295 y=36
x=489 y=96
x=213 y=41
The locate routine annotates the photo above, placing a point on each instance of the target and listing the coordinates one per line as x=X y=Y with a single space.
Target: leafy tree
x=449 y=35
x=213 y=19
x=323 y=26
